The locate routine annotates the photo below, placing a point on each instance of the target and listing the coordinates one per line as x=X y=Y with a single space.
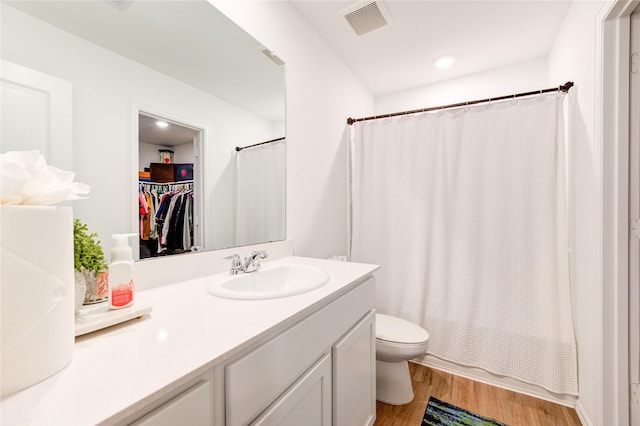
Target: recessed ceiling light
x=162 y=124
x=444 y=61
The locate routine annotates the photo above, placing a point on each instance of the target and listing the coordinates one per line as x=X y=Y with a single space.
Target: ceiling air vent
x=120 y=4
x=272 y=56
x=366 y=16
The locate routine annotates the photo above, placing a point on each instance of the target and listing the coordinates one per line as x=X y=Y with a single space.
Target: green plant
x=87 y=252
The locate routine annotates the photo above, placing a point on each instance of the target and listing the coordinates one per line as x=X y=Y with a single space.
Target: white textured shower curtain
x=465 y=211
x=260 y=193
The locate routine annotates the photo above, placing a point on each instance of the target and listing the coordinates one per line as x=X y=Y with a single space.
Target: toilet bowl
x=397 y=341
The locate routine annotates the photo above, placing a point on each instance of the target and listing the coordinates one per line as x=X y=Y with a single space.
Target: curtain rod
x=563 y=88
x=240 y=148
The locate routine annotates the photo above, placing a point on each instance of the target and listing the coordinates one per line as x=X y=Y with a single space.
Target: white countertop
x=121 y=368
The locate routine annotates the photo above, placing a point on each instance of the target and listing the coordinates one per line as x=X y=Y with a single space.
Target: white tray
x=96 y=317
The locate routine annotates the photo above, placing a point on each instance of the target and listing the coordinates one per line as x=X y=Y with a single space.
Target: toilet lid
x=394 y=329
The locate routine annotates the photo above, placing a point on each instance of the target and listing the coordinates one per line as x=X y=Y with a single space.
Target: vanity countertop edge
x=119 y=370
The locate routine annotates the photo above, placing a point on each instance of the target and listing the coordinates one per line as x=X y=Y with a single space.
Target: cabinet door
x=307 y=402
x=192 y=407
x=354 y=375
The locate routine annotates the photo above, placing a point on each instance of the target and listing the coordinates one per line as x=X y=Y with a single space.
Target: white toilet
x=397 y=341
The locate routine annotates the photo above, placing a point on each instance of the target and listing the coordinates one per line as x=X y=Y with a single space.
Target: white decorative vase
x=36 y=294
x=80 y=289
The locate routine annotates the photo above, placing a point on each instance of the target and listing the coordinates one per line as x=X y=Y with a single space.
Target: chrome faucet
x=250 y=264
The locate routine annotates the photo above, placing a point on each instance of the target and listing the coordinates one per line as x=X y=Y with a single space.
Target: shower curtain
x=260 y=192
x=465 y=211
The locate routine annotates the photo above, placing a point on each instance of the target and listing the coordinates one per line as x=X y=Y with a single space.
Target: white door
x=36 y=114
x=634 y=214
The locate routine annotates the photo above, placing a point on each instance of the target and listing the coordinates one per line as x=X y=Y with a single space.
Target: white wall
x=182 y=153
x=522 y=77
x=105 y=86
x=321 y=93
x=573 y=57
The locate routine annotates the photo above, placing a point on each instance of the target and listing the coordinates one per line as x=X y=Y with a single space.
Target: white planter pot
x=36 y=294
x=80 y=289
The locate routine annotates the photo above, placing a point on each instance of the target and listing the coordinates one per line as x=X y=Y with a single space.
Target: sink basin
x=270 y=282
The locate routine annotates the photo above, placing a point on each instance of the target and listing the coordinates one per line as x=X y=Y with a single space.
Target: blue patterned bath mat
x=440 y=413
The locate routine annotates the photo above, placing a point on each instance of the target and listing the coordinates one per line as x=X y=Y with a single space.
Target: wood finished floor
x=505 y=406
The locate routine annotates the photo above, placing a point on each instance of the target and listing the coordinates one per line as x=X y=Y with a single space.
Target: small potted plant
x=89 y=262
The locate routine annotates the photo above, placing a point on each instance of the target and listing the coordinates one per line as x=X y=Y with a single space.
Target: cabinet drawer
x=250 y=387
x=191 y=407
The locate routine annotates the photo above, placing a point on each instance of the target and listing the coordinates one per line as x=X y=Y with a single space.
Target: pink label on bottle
x=122 y=294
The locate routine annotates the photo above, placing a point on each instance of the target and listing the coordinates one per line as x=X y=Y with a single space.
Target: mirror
x=179 y=60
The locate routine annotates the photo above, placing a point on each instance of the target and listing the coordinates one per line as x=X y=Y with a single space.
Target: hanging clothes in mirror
x=166 y=218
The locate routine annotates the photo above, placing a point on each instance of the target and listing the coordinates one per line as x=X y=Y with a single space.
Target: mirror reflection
x=166 y=198
x=186 y=63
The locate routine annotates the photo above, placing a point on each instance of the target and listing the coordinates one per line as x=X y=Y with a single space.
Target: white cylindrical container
x=36 y=294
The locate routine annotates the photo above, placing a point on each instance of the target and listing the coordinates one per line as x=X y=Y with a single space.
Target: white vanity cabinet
x=197 y=359
x=311 y=369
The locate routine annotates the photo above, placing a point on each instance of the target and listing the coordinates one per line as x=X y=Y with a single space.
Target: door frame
x=198 y=176
x=612 y=132
x=634 y=213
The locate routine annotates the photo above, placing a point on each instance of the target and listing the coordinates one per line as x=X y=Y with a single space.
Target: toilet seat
x=397 y=330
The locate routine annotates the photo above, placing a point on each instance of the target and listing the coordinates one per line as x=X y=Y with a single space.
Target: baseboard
x=499 y=381
x=582 y=414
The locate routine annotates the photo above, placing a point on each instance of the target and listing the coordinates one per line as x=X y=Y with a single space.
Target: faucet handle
x=233 y=258
x=236 y=263
x=259 y=254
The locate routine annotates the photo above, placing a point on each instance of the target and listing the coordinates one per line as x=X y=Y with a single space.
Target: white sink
x=270 y=282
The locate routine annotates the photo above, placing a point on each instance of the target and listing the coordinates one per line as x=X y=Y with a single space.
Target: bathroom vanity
x=201 y=359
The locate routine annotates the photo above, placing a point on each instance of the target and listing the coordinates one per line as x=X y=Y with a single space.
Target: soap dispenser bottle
x=121 y=284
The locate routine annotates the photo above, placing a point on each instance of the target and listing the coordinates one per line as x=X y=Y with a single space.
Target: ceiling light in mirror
x=444 y=61
x=162 y=124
